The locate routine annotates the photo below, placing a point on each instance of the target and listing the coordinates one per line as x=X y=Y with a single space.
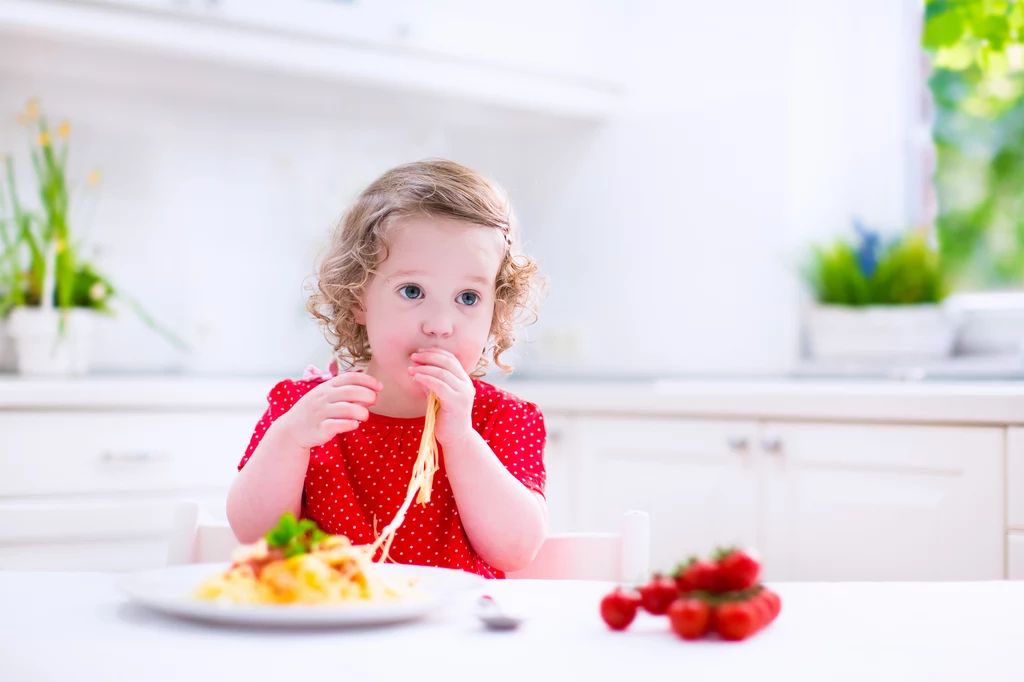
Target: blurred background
x=669 y=162
x=757 y=220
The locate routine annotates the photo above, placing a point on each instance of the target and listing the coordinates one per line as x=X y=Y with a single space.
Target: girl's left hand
x=439 y=371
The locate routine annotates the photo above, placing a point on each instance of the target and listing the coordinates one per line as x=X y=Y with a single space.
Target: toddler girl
x=420 y=290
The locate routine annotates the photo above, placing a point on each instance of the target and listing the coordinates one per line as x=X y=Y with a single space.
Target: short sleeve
x=517 y=436
x=279 y=400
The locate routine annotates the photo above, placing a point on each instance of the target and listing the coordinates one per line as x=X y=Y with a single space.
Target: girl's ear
x=359 y=313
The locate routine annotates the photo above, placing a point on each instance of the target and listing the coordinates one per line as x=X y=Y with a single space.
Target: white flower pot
x=42 y=349
x=992 y=323
x=881 y=333
x=7 y=358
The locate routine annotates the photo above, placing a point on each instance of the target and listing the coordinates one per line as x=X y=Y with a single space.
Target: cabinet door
x=874 y=502
x=107 y=533
x=696 y=479
x=1015 y=556
x=560 y=460
x=1015 y=478
x=53 y=452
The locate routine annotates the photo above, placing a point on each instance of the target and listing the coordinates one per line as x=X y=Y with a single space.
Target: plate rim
x=351 y=615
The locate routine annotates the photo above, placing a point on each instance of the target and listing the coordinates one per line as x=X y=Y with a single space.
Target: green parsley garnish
x=294 y=537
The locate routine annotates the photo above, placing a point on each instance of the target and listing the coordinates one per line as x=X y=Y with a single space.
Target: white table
x=77 y=626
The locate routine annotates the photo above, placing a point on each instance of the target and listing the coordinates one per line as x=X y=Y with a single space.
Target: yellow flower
x=93 y=178
x=64 y=130
x=31 y=112
x=44 y=139
x=62 y=246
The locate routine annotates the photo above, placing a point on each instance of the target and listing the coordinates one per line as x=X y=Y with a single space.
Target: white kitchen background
x=669 y=226
x=668 y=186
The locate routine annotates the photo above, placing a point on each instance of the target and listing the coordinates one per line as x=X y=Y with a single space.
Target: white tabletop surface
x=78 y=626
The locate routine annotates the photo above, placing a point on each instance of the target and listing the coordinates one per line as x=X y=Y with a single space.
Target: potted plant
x=50 y=294
x=878 y=300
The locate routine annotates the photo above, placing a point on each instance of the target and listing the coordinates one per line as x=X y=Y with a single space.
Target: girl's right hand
x=336 y=406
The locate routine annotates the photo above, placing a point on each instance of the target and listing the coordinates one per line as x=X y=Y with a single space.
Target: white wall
x=661 y=247
x=213 y=205
x=669 y=235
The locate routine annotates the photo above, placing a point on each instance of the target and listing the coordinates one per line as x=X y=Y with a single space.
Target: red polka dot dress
x=360 y=478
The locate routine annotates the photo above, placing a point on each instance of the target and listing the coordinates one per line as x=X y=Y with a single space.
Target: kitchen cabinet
x=95 y=489
x=696 y=478
x=1015 y=555
x=1015 y=478
x=560 y=462
x=90 y=470
x=883 y=502
x=819 y=501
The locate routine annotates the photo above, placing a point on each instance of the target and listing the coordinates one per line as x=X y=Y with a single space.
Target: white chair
x=621 y=557
x=194 y=540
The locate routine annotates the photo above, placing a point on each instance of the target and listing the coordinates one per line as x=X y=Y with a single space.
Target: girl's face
x=434 y=289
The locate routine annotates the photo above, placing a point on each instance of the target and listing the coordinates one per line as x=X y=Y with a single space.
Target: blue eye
x=468 y=298
x=411 y=291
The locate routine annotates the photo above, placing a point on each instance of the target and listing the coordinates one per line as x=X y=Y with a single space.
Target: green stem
x=151 y=322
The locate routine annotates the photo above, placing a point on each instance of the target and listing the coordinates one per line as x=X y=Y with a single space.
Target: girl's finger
x=346 y=411
x=443 y=391
x=356 y=379
x=336 y=426
x=440 y=358
x=352 y=394
x=438 y=373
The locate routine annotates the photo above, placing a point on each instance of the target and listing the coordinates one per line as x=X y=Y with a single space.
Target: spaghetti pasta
x=423 y=470
x=332 y=571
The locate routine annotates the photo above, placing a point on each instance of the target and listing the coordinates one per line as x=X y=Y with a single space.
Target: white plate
x=170 y=590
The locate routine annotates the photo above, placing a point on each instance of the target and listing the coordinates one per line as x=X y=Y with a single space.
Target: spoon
x=494 y=617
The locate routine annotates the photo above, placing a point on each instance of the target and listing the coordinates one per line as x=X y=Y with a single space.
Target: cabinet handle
x=132 y=456
x=402 y=31
x=739 y=443
x=772 y=445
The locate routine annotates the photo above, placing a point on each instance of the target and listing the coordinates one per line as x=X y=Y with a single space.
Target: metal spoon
x=494 y=617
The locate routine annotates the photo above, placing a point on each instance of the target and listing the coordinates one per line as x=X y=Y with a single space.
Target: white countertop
x=960 y=402
x=77 y=626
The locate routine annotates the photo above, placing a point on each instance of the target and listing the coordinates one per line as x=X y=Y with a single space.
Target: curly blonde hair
x=432 y=188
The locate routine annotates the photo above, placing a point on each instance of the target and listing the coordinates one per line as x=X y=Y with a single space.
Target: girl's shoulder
x=491 y=400
x=287 y=392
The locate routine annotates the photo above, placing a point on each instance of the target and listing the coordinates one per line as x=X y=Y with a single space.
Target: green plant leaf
x=994 y=29
x=943 y=29
x=908 y=272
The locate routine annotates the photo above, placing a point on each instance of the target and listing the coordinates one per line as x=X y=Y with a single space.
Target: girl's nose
x=438 y=325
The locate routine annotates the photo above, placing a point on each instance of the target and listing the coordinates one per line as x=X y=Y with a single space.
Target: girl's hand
x=335 y=406
x=439 y=371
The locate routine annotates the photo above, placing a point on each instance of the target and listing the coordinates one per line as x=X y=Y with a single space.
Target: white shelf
x=405 y=53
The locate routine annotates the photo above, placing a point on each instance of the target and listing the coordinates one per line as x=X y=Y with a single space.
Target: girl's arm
x=506 y=522
x=269 y=484
x=273 y=478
